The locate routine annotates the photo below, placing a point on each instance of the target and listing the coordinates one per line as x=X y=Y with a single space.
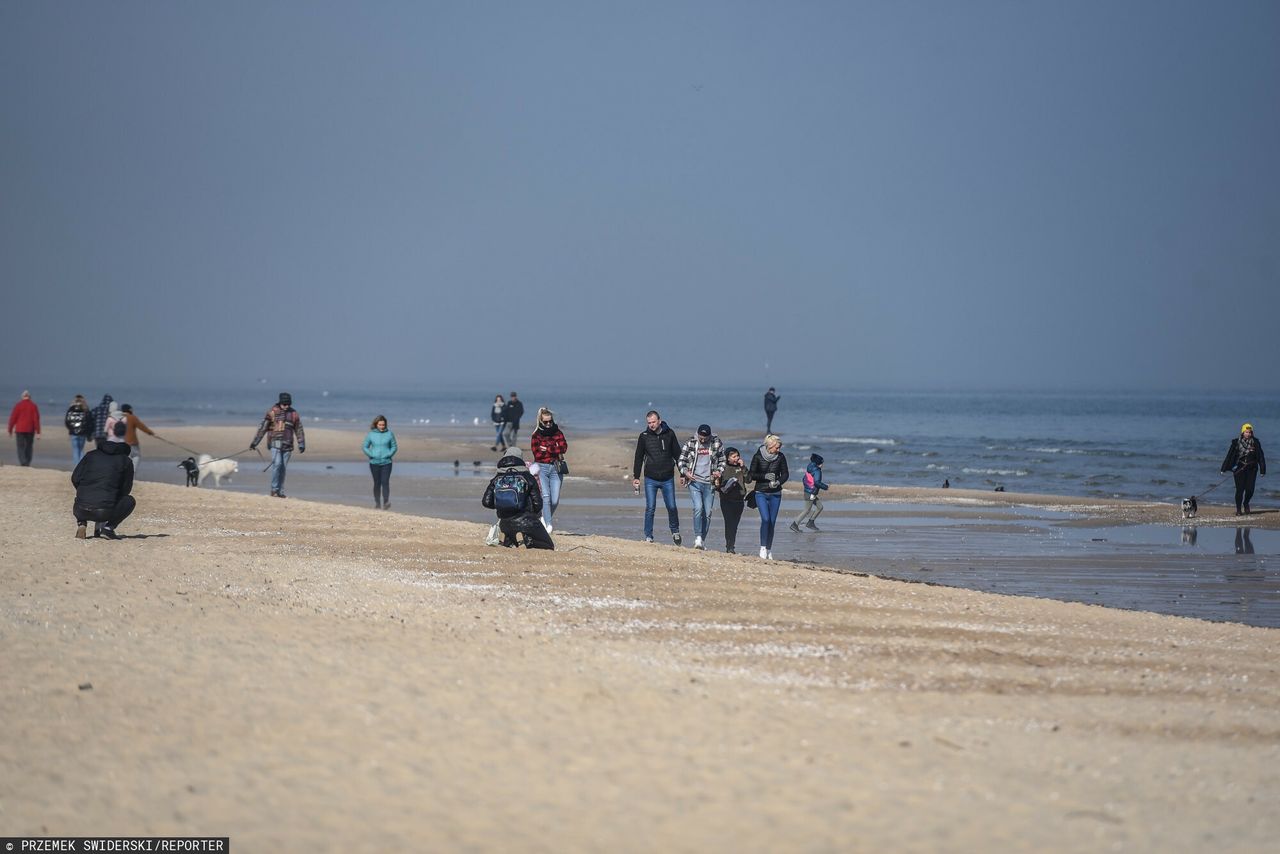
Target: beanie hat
x=728 y=451
x=286 y=399
x=126 y=408
x=816 y=459
x=1246 y=427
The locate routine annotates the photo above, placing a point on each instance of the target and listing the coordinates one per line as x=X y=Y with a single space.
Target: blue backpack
x=510 y=492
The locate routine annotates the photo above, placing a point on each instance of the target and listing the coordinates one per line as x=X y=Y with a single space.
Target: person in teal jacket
x=380 y=447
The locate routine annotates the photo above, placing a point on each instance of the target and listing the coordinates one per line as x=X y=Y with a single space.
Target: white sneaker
x=648 y=539
x=770 y=555
x=764 y=553
x=550 y=527
x=697 y=542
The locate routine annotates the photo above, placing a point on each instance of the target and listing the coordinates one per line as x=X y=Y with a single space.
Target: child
x=813 y=484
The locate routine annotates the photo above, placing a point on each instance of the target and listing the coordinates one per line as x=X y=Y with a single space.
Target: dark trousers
x=26 y=441
x=381 y=483
x=1246 y=479
x=535 y=536
x=732 y=512
x=110 y=516
x=769 y=420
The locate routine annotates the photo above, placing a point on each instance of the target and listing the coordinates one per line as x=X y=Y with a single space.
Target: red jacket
x=547 y=447
x=25 y=417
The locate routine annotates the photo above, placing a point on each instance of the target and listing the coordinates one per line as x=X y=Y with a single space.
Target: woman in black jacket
x=1246 y=461
x=732 y=487
x=769 y=471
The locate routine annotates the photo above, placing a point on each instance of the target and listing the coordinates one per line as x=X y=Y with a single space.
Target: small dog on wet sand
x=1189 y=507
x=217 y=469
x=193 y=471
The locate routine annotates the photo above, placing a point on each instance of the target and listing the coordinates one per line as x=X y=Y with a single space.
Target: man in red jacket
x=24 y=422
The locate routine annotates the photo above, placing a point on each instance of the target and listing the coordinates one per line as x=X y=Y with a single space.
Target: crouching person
x=103 y=480
x=515 y=495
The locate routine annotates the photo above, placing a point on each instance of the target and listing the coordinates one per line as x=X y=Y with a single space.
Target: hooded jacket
x=25 y=417
x=693 y=448
x=813 y=475
x=380 y=446
x=734 y=482
x=100 y=414
x=548 y=443
x=511 y=464
x=103 y=476
x=657 y=453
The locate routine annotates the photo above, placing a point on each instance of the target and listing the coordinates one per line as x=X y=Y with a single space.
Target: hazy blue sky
x=919 y=194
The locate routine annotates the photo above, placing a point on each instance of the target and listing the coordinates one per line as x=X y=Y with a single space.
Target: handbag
x=562 y=467
x=751 y=500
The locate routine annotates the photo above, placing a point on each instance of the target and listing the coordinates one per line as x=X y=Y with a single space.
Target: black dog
x=193 y=470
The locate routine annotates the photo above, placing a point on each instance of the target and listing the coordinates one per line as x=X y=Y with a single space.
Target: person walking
x=284 y=424
x=380 y=447
x=701 y=464
x=103 y=480
x=101 y=413
x=657 y=450
x=512 y=413
x=132 y=424
x=769 y=472
x=733 y=496
x=79 y=424
x=514 y=494
x=24 y=426
x=499 y=417
x=770 y=408
x=549 y=445
x=1246 y=461
x=813 y=484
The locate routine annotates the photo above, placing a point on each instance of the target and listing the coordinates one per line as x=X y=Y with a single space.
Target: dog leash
x=197 y=453
x=1212 y=488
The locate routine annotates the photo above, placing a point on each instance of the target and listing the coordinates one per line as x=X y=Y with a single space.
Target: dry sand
x=293 y=674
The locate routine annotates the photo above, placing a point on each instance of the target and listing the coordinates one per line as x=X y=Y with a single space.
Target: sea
x=1142 y=446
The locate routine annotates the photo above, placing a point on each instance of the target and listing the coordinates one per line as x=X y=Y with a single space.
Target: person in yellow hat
x=1246 y=461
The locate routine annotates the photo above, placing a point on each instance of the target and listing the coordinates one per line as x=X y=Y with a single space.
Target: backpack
x=809 y=484
x=510 y=492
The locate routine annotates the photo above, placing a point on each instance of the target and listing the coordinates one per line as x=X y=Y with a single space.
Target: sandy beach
x=294 y=673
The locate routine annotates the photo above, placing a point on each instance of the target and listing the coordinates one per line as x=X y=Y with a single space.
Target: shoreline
x=298 y=672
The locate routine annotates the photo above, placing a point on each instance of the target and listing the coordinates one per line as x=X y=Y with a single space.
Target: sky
x=916 y=195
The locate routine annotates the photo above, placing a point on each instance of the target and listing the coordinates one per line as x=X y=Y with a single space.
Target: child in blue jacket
x=813 y=484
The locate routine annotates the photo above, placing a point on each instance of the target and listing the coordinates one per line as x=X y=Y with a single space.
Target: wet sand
x=294 y=673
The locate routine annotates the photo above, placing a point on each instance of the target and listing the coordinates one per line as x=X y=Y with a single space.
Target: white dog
x=217 y=468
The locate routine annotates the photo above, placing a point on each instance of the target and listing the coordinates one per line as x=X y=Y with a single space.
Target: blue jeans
x=768 y=503
x=703 y=496
x=279 y=461
x=381 y=483
x=77 y=449
x=549 y=479
x=668 y=488
x=497 y=434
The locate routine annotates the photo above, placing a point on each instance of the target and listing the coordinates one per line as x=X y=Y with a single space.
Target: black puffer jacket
x=512 y=464
x=103 y=477
x=657 y=453
x=762 y=468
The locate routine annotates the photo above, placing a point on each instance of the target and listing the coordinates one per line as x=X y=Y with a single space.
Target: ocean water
x=1149 y=447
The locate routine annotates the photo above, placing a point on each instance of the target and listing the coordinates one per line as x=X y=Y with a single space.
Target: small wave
x=1045 y=450
x=871 y=451
x=929 y=454
x=1006 y=472
x=937 y=467
x=844 y=440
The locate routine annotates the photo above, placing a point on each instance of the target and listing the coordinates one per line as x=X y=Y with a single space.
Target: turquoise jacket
x=380 y=447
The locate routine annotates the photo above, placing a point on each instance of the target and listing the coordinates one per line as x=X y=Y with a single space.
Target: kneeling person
x=515 y=495
x=103 y=480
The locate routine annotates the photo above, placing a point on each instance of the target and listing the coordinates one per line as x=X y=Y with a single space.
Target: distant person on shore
x=284 y=424
x=770 y=408
x=24 y=426
x=813 y=484
x=79 y=424
x=516 y=497
x=103 y=480
x=512 y=414
x=657 y=450
x=733 y=496
x=499 y=417
x=549 y=445
x=1246 y=461
x=133 y=424
x=380 y=447
x=701 y=464
x=769 y=472
x=101 y=413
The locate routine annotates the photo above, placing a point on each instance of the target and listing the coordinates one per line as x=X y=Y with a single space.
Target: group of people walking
x=506 y=415
x=81 y=423
x=709 y=470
